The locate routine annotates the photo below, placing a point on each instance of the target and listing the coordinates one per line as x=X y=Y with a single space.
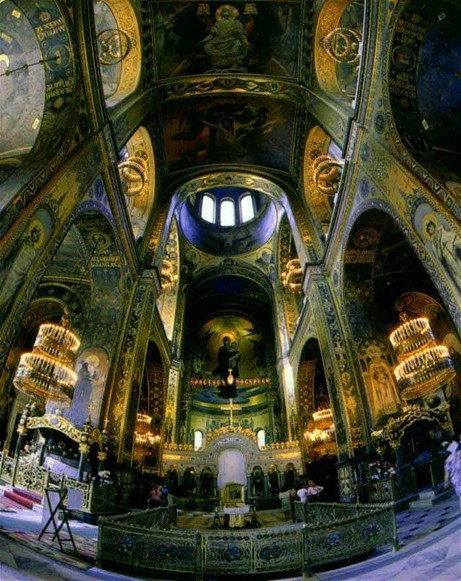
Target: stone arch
x=315 y=414
x=245 y=445
x=381 y=264
x=419 y=241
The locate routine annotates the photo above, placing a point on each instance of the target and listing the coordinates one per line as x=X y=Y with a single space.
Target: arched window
x=247 y=210
x=227 y=213
x=198 y=440
x=261 y=435
x=228 y=206
x=208 y=208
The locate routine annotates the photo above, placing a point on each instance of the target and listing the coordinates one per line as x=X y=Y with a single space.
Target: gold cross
x=230 y=407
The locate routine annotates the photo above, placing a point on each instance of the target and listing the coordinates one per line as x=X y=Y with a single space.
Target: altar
x=235 y=515
x=234 y=507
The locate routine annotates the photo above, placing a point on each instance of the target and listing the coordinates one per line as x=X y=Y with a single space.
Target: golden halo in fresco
x=227 y=8
x=366 y=237
x=37 y=226
x=426 y=229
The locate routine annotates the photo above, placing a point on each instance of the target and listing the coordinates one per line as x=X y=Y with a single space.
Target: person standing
x=286 y=498
x=453 y=468
x=313 y=490
x=302 y=493
x=155 y=496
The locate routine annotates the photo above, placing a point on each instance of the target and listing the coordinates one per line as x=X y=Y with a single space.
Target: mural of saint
x=383 y=395
x=226 y=45
x=17 y=267
x=447 y=247
x=194 y=39
x=92 y=366
x=228 y=360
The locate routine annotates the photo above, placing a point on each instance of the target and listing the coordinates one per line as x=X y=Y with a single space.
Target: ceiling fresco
x=245 y=37
x=232 y=130
x=425 y=84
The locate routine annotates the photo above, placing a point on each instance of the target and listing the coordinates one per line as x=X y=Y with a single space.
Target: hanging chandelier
x=424 y=366
x=322 y=429
x=322 y=415
x=143 y=423
x=146 y=440
x=320 y=436
x=143 y=436
x=47 y=372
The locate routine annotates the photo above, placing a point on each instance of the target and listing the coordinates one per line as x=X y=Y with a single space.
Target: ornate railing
x=25 y=472
x=329 y=533
x=30 y=476
x=252 y=552
x=8 y=468
x=337 y=532
x=393 y=489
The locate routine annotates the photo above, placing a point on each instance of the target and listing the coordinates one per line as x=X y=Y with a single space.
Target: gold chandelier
x=142 y=423
x=322 y=428
x=146 y=440
x=143 y=436
x=322 y=415
x=319 y=435
x=47 y=372
x=424 y=366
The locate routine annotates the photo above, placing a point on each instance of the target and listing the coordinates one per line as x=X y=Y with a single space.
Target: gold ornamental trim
x=60 y=424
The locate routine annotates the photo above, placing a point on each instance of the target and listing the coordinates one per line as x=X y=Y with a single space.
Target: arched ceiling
x=230 y=86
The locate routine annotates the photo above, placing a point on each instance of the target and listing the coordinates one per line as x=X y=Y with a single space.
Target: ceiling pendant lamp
x=47 y=372
x=424 y=366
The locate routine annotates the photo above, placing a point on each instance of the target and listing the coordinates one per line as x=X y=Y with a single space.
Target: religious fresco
x=381 y=389
x=137 y=173
x=106 y=28
x=37 y=70
x=17 y=266
x=442 y=241
x=248 y=37
x=241 y=130
x=92 y=367
x=424 y=84
x=266 y=260
x=245 y=346
x=118 y=42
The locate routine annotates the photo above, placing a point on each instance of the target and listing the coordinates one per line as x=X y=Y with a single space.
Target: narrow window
x=247 y=210
x=261 y=438
x=198 y=439
x=208 y=208
x=227 y=213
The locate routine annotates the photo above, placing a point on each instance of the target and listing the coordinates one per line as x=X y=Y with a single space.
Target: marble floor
x=430 y=549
